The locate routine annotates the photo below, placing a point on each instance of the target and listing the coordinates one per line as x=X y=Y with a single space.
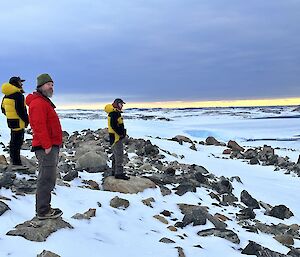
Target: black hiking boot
x=52 y=214
x=122 y=176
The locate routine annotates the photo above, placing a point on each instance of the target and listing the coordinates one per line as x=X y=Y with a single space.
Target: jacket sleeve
x=38 y=122
x=2 y=107
x=21 y=108
x=118 y=128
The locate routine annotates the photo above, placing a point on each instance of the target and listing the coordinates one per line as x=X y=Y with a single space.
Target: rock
x=27 y=186
x=180 y=139
x=145 y=148
x=227 y=151
x=280 y=212
x=180 y=252
x=47 y=254
x=87 y=215
x=212 y=141
x=200 y=177
x=229 y=199
x=255 y=249
x=235 y=146
x=70 y=175
x=170 y=171
x=86 y=147
x=146 y=167
x=285 y=239
x=38 y=230
x=200 y=169
x=161 y=219
x=131 y=186
x=188 y=209
x=3 y=207
x=223 y=186
x=165 y=191
x=295 y=252
x=248 y=200
x=254 y=161
x=166 y=240
x=92 y=184
x=3 y=160
x=193 y=147
x=172 y=228
x=166 y=213
x=119 y=203
x=246 y=214
x=92 y=160
x=7 y=179
x=268 y=150
x=221 y=217
x=148 y=201
x=298 y=162
x=223 y=233
x=196 y=216
x=250 y=154
x=184 y=188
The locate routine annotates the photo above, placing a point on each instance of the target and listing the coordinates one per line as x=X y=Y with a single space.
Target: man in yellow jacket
x=117 y=133
x=14 y=108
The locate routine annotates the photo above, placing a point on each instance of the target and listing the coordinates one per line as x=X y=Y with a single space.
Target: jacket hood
x=109 y=108
x=9 y=89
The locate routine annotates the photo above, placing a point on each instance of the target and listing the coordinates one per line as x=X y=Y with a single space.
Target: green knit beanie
x=43 y=79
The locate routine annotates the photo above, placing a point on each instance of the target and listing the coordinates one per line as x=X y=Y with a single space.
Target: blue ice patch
x=201 y=133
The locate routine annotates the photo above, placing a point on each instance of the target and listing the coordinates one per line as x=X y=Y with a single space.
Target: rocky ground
x=146 y=164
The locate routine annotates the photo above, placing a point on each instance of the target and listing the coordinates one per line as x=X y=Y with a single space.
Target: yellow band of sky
x=194 y=104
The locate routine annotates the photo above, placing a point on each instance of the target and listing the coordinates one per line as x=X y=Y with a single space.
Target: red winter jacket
x=44 y=121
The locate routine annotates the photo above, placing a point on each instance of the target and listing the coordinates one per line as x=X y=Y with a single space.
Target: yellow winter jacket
x=14 y=108
x=116 y=128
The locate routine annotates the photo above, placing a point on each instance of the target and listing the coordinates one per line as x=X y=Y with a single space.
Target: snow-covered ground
x=134 y=231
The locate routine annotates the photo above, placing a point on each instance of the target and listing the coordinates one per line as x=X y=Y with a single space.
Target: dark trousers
x=117 y=158
x=46 y=178
x=15 y=144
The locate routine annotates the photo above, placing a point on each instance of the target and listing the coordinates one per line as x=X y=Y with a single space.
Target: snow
x=134 y=231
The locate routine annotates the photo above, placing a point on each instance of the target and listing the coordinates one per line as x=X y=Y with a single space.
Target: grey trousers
x=117 y=158
x=46 y=178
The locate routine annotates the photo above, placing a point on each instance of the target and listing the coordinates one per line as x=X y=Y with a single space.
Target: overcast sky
x=154 y=50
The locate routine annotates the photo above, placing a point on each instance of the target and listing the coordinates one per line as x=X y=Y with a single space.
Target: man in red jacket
x=46 y=141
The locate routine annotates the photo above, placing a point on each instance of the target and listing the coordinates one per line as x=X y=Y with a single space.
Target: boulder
x=256 y=249
x=235 y=146
x=212 y=141
x=131 y=186
x=92 y=160
x=180 y=139
x=248 y=200
x=38 y=230
x=280 y=212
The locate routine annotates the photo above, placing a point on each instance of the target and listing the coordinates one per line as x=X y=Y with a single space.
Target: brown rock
x=235 y=146
x=285 y=239
x=3 y=160
x=172 y=228
x=161 y=219
x=227 y=151
x=148 y=201
x=131 y=186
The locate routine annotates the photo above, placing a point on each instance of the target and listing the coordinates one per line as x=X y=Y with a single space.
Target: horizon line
x=191 y=104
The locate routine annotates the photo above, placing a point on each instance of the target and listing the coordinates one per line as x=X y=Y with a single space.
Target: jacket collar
x=45 y=98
